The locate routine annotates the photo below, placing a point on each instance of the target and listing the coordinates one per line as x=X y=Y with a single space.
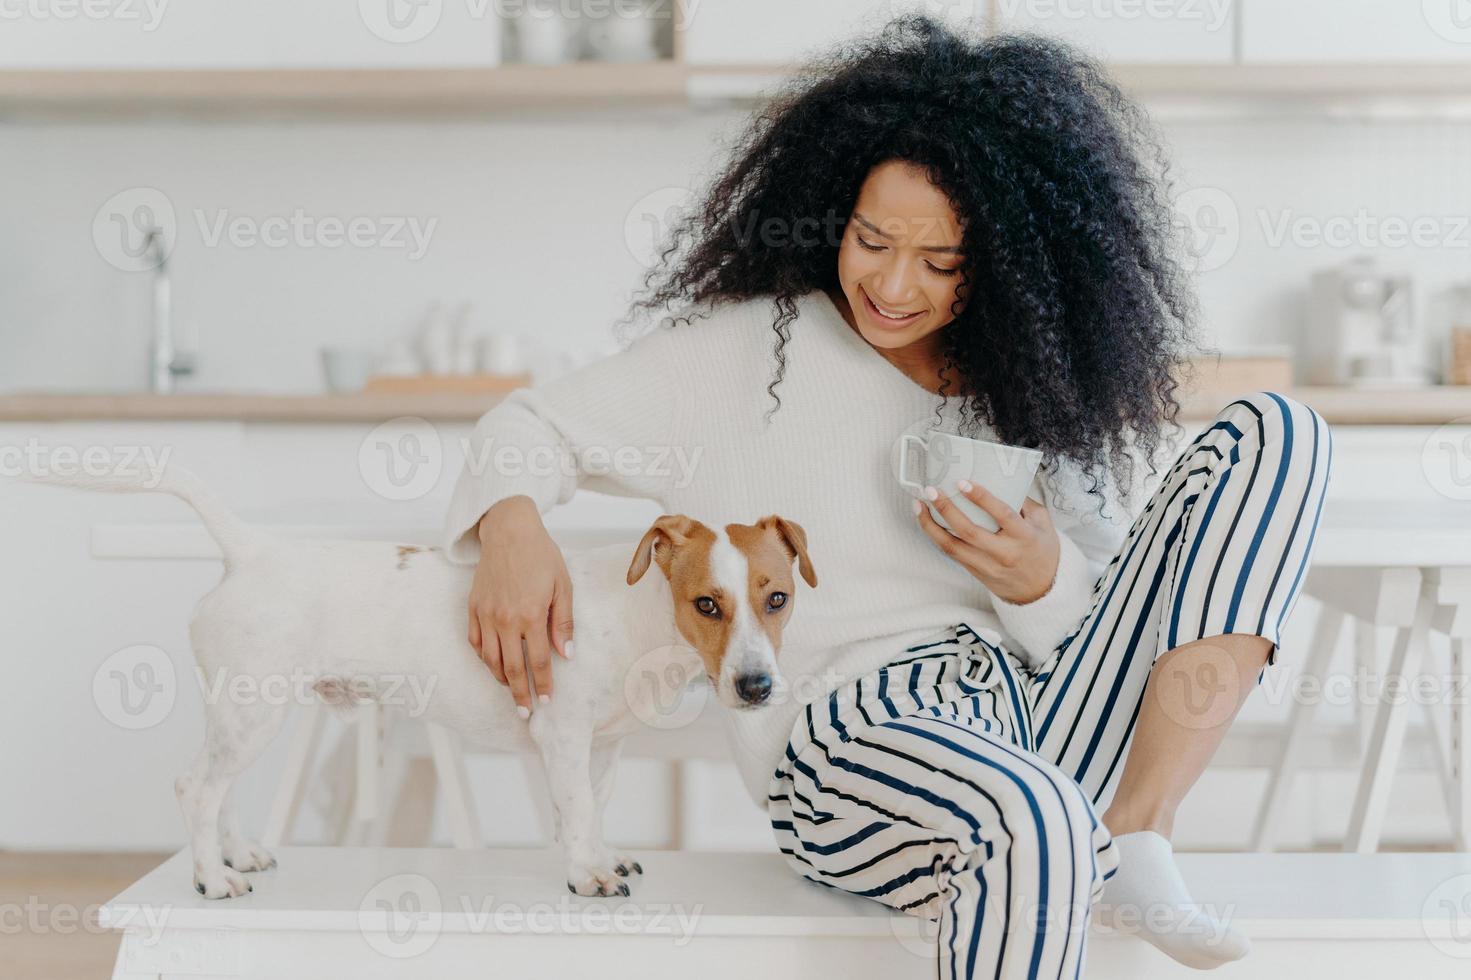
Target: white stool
x=1413 y=602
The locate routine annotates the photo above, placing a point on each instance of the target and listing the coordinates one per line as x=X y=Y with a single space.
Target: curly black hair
x=1077 y=320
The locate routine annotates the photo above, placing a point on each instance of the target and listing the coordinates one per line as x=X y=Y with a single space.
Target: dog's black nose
x=753 y=688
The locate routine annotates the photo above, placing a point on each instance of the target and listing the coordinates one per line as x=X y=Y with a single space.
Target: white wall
x=531 y=222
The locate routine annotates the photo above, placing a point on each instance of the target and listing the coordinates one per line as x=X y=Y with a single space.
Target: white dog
x=359 y=617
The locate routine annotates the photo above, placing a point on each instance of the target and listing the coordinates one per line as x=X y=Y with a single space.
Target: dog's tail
x=236 y=538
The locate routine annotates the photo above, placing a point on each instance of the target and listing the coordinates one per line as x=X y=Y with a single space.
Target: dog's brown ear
x=669 y=531
x=795 y=540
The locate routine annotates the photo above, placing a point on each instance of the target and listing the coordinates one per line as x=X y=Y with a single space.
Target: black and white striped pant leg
x=932 y=814
x=1221 y=547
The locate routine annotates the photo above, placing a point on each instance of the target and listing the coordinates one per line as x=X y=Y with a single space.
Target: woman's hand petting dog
x=520 y=601
x=1018 y=562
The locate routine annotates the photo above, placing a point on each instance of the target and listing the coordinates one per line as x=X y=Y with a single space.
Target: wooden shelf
x=1340 y=406
x=348 y=91
x=594 y=84
x=1205 y=81
x=373 y=408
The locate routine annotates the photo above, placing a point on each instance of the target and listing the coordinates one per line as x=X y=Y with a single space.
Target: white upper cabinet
x=1135 y=31
x=780 y=32
x=245 y=34
x=1356 y=30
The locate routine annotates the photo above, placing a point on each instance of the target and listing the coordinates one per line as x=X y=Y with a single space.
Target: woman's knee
x=1056 y=817
x=1281 y=423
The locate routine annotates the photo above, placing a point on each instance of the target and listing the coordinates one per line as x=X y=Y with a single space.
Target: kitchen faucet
x=168 y=362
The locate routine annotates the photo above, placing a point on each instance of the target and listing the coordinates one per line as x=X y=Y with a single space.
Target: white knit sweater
x=824 y=461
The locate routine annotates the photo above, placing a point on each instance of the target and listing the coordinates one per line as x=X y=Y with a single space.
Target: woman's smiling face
x=900 y=259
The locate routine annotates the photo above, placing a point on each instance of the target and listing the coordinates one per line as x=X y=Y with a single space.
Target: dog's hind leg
x=235 y=736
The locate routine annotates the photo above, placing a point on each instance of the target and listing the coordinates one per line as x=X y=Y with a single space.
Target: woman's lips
x=877 y=316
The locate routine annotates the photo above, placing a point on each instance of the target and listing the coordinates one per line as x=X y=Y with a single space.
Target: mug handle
x=904 y=442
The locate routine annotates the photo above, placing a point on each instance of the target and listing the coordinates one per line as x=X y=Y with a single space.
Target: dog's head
x=733 y=594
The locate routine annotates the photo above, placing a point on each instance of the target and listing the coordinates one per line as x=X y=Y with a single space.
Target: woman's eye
x=776 y=601
x=869 y=246
x=947 y=273
x=707 y=606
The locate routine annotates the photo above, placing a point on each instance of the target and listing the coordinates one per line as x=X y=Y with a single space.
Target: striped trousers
x=958 y=784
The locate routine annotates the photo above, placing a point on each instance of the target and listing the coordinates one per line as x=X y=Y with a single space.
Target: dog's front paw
x=583 y=880
x=626 y=866
x=220 y=882
x=243 y=855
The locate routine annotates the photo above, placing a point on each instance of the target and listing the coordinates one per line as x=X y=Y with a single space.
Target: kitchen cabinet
x=1132 y=31
x=1356 y=31
x=779 y=32
x=246 y=34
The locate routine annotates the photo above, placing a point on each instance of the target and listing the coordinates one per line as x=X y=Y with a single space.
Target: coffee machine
x=1361 y=329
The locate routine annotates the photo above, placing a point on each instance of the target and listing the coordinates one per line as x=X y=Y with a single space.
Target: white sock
x=1147 y=897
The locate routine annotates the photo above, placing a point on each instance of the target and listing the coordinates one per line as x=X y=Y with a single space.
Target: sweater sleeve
x=606 y=427
x=1088 y=541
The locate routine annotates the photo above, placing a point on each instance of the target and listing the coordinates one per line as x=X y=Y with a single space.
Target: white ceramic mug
x=947 y=458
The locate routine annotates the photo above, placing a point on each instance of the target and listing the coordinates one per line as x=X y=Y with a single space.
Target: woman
x=932 y=229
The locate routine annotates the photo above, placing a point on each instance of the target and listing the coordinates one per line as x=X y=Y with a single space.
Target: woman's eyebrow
x=947 y=249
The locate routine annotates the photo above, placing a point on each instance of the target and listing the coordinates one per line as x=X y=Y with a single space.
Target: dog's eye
x=707 y=606
x=776 y=601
